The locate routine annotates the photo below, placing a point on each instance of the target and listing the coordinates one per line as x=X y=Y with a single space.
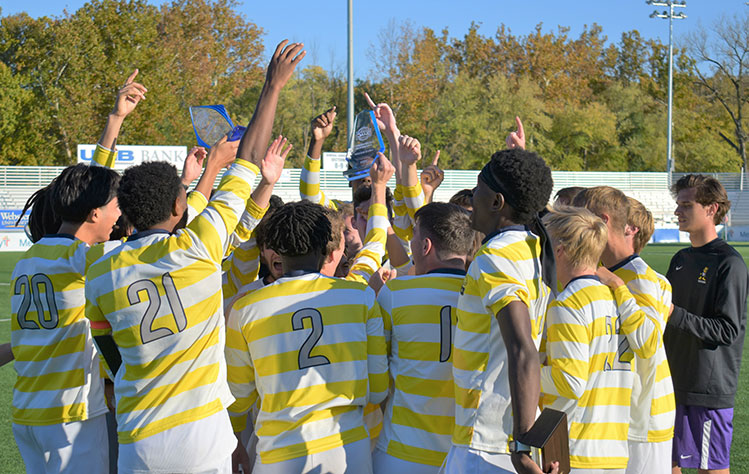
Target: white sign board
x=14 y=242
x=334 y=161
x=129 y=155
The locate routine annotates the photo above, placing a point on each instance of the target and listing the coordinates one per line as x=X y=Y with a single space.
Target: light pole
x=350 y=91
x=671 y=17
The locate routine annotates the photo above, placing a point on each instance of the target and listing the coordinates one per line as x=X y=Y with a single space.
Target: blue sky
x=321 y=24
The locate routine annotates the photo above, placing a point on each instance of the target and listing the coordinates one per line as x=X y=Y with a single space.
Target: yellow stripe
x=606 y=396
x=181 y=418
x=664 y=404
x=433 y=283
x=603 y=431
x=157 y=396
x=49 y=416
x=158 y=367
x=598 y=462
x=424 y=387
x=313 y=446
x=467 y=397
x=269 y=326
x=462 y=435
x=415 y=454
x=51 y=381
x=314 y=395
x=469 y=360
x=479 y=323
x=198 y=313
x=441 y=425
x=416 y=350
x=71 y=345
x=289 y=361
x=657 y=436
x=278 y=427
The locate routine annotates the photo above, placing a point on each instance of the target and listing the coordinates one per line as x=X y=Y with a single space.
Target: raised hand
x=516 y=139
x=272 y=165
x=128 y=96
x=223 y=153
x=283 y=63
x=193 y=165
x=322 y=125
x=384 y=115
x=409 y=150
x=431 y=178
x=382 y=170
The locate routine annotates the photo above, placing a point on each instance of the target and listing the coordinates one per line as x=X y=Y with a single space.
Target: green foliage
x=587 y=104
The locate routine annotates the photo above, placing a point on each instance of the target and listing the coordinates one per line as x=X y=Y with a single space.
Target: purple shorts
x=702 y=437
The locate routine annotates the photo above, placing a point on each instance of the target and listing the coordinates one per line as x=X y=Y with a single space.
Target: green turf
x=657 y=255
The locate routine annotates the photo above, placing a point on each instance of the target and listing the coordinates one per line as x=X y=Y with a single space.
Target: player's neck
x=616 y=250
x=79 y=231
x=702 y=236
x=566 y=275
x=309 y=263
x=451 y=264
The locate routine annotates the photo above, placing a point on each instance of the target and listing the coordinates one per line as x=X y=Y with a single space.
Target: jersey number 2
x=297 y=323
x=30 y=290
x=623 y=353
x=147 y=332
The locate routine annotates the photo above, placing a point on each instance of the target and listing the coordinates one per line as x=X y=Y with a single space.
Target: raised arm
x=255 y=139
x=309 y=180
x=431 y=178
x=369 y=258
x=128 y=97
x=516 y=139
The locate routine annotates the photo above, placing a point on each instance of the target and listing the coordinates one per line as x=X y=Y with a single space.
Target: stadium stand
x=17 y=183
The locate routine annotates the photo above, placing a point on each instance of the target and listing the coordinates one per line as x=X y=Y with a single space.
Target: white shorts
x=386 y=464
x=203 y=446
x=352 y=458
x=78 y=446
x=464 y=460
x=649 y=458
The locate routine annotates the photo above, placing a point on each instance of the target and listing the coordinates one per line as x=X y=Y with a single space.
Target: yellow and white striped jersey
x=589 y=373
x=406 y=201
x=653 y=404
x=55 y=358
x=506 y=268
x=369 y=258
x=419 y=313
x=309 y=184
x=312 y=348
x=159 y=296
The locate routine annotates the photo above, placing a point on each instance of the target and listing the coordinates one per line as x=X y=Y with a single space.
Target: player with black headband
x=500 y=315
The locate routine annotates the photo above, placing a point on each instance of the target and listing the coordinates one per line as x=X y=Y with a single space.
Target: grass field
x=658 y=256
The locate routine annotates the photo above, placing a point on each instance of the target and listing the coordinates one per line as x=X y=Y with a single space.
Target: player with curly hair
x=500 y=317
x=312 y=349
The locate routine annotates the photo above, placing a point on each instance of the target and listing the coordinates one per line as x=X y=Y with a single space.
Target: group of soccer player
x=223 y=330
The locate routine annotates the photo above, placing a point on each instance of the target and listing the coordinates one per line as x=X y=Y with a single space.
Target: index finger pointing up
x=521 y=132
x=436 y=158
x=369 y=101
x=131 y=78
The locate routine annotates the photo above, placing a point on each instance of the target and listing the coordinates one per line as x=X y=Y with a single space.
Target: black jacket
x=704 y=337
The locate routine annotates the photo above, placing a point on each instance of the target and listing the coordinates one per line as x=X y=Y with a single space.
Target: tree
x=727 y=57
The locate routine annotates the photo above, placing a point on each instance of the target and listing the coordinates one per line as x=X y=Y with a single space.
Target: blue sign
x=8 y=218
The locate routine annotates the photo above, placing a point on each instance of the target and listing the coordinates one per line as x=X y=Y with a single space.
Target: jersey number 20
x=30 y=290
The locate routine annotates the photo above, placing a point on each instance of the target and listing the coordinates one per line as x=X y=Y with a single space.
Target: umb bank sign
x=129 y=155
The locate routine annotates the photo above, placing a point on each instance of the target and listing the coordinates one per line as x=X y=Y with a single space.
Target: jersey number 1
x=147 y=332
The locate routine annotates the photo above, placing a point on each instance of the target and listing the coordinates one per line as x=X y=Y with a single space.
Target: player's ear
x=499 y=202
x=93 y=216
x=427 y=245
